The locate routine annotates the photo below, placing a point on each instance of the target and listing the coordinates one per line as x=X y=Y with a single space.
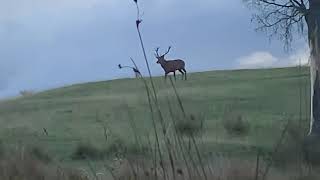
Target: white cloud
x=263 y=59
x=257 y=60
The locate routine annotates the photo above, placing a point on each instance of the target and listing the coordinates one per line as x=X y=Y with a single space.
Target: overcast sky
x=52 y=43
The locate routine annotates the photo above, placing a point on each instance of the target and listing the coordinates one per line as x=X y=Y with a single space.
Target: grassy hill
x=264 y=98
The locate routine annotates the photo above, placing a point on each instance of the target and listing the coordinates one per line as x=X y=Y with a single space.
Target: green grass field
x=266 y=98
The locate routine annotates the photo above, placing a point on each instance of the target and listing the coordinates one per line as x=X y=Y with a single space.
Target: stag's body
x=171 y=65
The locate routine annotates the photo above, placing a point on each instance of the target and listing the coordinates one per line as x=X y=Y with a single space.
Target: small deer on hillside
x=171 y=65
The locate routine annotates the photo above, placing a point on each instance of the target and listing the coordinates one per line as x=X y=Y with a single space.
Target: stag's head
x=161 y=58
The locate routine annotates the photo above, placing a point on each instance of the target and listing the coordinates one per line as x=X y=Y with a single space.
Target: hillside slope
x=265 y=98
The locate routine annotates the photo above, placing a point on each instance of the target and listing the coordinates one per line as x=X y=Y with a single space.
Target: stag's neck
x=163 y=64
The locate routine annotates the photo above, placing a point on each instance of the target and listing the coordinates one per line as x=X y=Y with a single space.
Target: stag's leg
x=165 y=76
x=185 y=73
x=181 y=73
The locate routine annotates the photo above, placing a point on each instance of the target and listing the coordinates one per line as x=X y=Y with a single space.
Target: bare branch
x=295 y=3
x=279 y=18
x=276 y=4
x=303 y=4
x=291 y=4
x=300 y=6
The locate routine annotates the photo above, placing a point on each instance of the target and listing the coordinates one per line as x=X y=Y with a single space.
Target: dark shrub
x=40 y=154
x=190 y=126
x=234 y=124
x=84 y=151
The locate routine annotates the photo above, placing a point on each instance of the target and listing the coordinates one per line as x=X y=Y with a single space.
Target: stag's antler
x=157 y=52
x=167 y=51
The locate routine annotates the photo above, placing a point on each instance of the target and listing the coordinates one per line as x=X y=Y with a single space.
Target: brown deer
x=171 y=65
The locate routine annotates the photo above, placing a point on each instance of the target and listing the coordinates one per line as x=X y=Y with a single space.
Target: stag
x=171 y=65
